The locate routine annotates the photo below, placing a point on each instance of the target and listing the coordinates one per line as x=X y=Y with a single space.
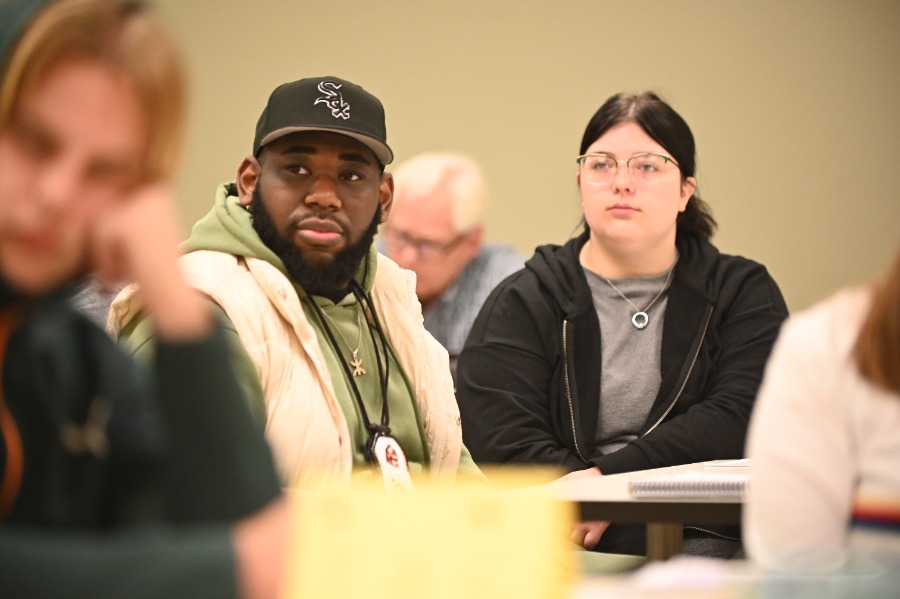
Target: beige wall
x=795 y=105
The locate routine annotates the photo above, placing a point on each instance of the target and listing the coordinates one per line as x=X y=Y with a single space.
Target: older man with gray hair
x=436 y=228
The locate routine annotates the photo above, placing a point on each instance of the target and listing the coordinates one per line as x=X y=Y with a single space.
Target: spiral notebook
x=692 y=484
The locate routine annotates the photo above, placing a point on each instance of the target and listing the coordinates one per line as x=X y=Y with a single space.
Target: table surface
x=610 y=495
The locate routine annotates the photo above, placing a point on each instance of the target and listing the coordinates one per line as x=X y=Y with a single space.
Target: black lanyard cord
x=383 y=375
x=385 y=417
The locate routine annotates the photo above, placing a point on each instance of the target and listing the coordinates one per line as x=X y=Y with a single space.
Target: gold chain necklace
x=356 y=362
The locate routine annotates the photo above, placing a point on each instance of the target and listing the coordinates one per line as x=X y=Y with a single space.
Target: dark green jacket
x=131 y=476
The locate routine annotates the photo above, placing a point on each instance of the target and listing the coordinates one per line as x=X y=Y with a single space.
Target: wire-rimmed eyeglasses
x=645 y=167
x=427 y=249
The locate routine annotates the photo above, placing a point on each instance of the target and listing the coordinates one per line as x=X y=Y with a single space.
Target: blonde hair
x=445 y=173
x=877 y=350
x=126 y=37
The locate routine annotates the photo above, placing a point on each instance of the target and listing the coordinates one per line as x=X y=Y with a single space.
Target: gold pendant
x=356 y=363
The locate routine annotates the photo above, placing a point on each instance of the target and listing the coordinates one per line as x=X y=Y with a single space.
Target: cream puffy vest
x=305 y=426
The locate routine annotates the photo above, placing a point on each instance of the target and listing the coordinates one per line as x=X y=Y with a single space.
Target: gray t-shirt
x=630 y=379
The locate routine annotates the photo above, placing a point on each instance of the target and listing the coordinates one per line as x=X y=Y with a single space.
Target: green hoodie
x=228 y=228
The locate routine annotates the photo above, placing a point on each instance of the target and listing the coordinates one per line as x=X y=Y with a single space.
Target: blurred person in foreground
x=436 y=229
x=824 y=439
x=106 y=487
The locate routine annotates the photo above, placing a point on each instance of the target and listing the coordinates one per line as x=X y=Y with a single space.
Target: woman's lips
x=622 y=209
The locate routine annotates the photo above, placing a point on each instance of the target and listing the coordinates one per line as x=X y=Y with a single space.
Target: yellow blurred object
x=441 y=541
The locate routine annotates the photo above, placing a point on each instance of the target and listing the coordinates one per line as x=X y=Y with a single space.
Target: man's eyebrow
x=355 y=157
x=298 y=149
x=312 y=150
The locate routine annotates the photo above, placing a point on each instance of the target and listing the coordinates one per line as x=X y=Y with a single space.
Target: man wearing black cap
x=332 y=344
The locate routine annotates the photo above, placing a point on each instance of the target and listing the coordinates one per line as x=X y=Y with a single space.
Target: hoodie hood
x=228 y=228
x=558 y=269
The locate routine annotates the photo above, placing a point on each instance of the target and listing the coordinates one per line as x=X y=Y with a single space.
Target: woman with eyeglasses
x=635 y=345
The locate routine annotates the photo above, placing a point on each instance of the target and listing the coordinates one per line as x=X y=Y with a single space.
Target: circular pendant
x=640 y=320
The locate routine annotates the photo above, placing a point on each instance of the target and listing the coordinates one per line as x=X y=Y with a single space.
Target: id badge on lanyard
x=391 y=461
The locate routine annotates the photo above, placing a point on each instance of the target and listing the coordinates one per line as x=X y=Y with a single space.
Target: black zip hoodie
x=529 y=375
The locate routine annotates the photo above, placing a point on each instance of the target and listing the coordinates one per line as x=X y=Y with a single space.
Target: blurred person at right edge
x=637 y=344
x=824 y=441
x=115 y=480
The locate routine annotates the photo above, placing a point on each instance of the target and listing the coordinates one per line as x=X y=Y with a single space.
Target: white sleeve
x=801 y=450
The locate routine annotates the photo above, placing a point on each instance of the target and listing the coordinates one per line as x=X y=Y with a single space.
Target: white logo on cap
x=333 y=99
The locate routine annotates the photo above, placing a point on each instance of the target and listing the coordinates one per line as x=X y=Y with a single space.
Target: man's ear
x=247 y=178
x=386 y=195
x=477 y=237
x=472 y=243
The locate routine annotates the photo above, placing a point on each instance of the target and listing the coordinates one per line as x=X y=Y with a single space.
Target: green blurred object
x=598 y=564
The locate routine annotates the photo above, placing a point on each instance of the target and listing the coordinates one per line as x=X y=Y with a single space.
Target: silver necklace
x=640 y=319
x=356 y=361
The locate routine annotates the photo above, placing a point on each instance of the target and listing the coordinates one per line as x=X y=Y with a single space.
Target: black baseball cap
x=324 y=104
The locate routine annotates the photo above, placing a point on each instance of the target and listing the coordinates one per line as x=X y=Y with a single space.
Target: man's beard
x=329 y=279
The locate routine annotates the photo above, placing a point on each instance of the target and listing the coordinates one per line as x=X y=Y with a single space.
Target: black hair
x=668 y=129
